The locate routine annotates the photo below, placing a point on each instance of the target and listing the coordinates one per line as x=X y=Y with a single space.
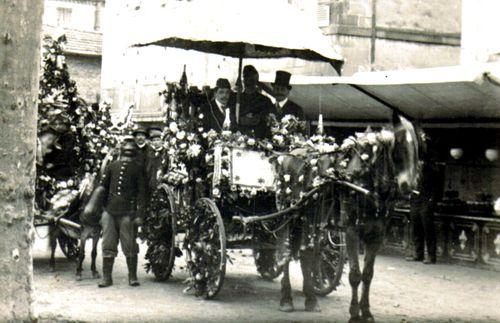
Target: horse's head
x=406 y=155
x=387 y=160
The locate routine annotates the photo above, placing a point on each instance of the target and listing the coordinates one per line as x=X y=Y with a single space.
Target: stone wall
x=86 y=72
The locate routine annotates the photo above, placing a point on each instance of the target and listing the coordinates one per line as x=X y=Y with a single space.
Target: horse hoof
x=96 y=275
x=312 y=306
x=287 y=307
x=368 y=319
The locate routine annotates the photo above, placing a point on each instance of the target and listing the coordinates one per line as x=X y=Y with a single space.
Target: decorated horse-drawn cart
x=226 y=190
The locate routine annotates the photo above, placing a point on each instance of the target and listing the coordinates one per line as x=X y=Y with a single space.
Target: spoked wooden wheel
x=205 y=243
x=267 y=263
x=162 y=255
x=330 y=265
x=69 y=246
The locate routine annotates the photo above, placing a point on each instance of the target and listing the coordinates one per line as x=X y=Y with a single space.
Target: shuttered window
x=323 y=14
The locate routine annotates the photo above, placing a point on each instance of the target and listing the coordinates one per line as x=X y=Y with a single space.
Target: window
x=64 y=17
x=323 y=14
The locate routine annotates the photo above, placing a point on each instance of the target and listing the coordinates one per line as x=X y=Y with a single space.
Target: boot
x=107 y=270
x=132 y=271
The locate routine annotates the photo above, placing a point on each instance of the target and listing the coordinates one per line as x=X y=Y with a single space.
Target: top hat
x=222 y=84
x=154 y=132
x=283 y=79
x=248 y=70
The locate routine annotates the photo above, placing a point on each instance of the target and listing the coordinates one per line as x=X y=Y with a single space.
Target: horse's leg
x=306 y=264
x=53 y=232
x=352 y=247
x=372 y=247
x=95 y=273
x=81 y=257
x=286 y=302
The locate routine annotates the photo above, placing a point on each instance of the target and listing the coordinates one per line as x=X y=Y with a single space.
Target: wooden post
x=20 y=36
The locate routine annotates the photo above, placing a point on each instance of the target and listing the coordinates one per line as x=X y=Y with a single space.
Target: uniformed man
x=254 y=107
x=284 y=106
x=214 y=111
x=121 y=192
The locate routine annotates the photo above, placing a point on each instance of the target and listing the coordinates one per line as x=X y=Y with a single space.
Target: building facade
x=80 y=21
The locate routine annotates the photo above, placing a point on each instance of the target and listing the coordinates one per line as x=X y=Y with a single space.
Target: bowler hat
x=283 y=79
x=139 y=130
x=222 y=84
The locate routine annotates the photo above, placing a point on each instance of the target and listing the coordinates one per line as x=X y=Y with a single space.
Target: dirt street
x=401 y=292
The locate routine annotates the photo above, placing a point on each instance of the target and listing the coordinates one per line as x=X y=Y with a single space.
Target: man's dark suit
x=254 y=111
x=290 y=107
x=213 y=117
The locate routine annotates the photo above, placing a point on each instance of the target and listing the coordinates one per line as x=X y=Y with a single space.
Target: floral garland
x=88 y=131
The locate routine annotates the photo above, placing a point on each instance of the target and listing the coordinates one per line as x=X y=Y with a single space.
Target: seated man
x=254 y=107
x=214 y=111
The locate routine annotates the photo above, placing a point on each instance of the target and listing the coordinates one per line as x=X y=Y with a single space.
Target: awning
x=445 y=94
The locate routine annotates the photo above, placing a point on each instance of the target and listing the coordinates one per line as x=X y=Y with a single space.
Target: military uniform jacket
x=124 y=183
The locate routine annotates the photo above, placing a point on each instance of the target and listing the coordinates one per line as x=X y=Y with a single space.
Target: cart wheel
x=205 y=243
x=267 y=264
x=69 y=246
x=328 y=270
x=165 y=212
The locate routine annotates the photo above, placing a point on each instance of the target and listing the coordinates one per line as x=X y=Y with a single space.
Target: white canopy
x=436 y=94
x=248 y=29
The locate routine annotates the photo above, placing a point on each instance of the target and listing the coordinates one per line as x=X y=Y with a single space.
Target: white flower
x=301 y=178
x=173 y=127
x=183 y=145
x=314 y=161
x=288 y=190
x=190 y=137
x=225 y=172
x=251 y=141
x=364 y=156
x=181 y=135
x=286 y=177
x=102 y=132
x=372 y=138
x=194 y=150
x=200 y=116
x=281 y=159
x=279 y=139
x=284 y=132
x=215 y=192
x=386 y=136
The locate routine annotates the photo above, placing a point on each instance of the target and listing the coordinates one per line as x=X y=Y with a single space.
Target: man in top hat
x=284 y=106
x=121 y=193
x=214 y=111
x=255 y=107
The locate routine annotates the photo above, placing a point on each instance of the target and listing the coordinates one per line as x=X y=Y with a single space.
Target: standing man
x=422 y=206
x=255 y=107
x=121 y=191
x=284 y=106
x=154 y=160
x=214 y=111
x=140 y=137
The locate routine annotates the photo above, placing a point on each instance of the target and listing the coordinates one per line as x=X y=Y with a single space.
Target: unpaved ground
x=401 y=292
